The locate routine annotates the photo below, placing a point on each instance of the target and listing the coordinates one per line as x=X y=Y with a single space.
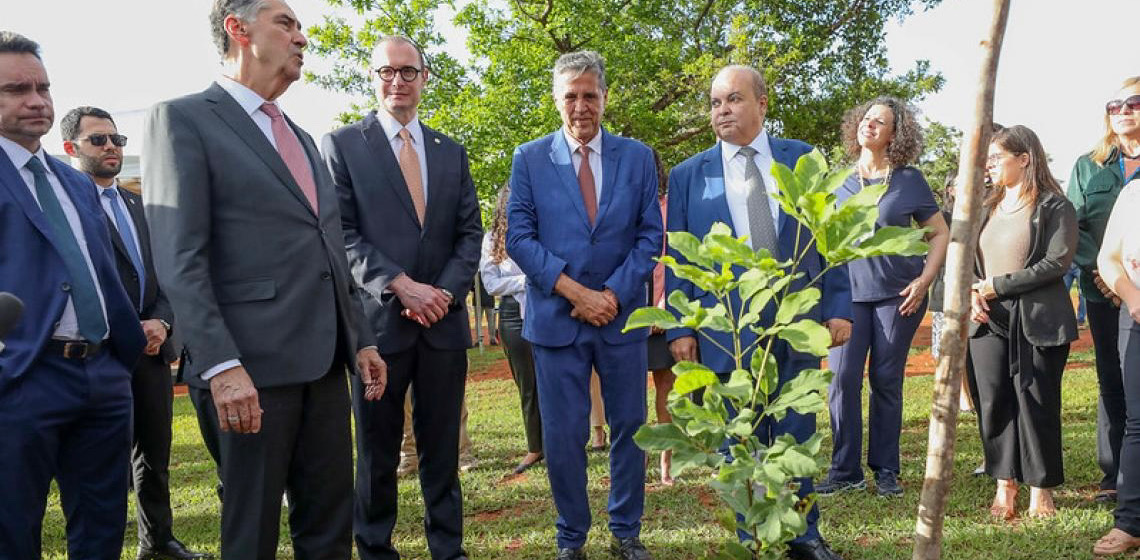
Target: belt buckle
x=76 y=350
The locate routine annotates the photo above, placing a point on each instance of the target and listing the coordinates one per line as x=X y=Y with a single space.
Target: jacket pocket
x=246 y=291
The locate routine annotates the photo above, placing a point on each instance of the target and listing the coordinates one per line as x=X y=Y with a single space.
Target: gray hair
x=759 y=86
x=245 y=10
x=14 y=43
x=401 y=40
x=578 y=63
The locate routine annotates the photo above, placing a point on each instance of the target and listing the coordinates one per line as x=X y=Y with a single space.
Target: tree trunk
x=956 y=309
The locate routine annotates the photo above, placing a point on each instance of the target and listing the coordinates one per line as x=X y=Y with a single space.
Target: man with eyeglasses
x=248 y=247
x=92 y=140
x=413 y=232
x=65 y=380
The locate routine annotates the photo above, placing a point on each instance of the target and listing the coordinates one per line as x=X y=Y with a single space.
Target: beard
x=96 y=168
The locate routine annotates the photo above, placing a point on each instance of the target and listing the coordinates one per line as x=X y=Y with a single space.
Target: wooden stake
x=956 y=311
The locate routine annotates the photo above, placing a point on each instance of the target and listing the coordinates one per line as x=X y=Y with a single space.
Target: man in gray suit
x=249 y=248
x=411 y=221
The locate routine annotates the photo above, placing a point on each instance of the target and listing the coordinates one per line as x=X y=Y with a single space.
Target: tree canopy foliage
x=819 y=58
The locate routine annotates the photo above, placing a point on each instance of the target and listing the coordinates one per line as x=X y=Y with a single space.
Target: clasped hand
x=427 y=303
x=594 y=307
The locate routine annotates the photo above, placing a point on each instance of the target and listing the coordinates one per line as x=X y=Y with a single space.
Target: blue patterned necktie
x=123 y=226
x=84 y=297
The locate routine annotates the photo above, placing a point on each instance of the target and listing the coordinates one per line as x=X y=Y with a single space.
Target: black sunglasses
x=407 y=73
x=101 y=139
x=1117 y=106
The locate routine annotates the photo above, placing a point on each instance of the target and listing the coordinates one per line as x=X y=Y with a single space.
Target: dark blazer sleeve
x=378 y=269
x=1059 y=229
x=178 y=213
x=459 y=271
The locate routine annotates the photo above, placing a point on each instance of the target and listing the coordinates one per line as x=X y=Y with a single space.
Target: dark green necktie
x=88 y=310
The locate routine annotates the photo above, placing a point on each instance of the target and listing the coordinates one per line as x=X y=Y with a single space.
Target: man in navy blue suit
x=730 y=183
x=65 y=381
x=584 y=225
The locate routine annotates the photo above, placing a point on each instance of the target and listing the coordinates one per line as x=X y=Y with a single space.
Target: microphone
x=11 y=308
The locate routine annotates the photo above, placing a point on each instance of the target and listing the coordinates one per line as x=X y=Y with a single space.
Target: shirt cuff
x=214 y=371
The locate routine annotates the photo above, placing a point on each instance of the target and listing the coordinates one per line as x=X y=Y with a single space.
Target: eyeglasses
x=101 y=139
x=1117 y=106
x=407 y=73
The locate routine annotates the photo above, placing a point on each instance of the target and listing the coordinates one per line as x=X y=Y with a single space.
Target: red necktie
x=293 y=154
x=586 y=184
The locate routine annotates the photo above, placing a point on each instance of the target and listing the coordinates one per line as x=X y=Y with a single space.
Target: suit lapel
x=713 y=171
x=610 y=163
x=564 y=169
x=142 y=233
x=433 y=154
x=388 y=168
x=10 y=178
x=780 y=154
x=228 y=110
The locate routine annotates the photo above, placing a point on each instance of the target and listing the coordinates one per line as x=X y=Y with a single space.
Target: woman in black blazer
x=1023 y=321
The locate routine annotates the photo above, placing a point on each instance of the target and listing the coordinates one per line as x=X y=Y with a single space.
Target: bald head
x=738 y=102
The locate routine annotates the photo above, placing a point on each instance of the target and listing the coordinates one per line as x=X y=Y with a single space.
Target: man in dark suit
x=249 y=249
x=729 y=183
x=584 y=225
x=91 y=138
x=412 y=228
x=65 y=393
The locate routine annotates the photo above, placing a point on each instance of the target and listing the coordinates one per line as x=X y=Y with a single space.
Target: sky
x=1061 y=61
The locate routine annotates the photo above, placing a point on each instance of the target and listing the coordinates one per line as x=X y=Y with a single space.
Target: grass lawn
x=514 y=517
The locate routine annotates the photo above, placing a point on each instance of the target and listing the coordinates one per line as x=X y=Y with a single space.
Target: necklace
x=863 y=181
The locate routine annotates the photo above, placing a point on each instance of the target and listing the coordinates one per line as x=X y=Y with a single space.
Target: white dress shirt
x=595 y=145
x=392 y=128
x=67 y=328
x=735 y=187
x=503 y=279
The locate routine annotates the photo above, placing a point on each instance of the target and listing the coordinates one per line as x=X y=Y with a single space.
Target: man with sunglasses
x=96 y=148
x=413 y=232
x=248 y=247
x=65 y=393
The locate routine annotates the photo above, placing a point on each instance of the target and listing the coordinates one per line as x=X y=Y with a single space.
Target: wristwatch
x=166 y=326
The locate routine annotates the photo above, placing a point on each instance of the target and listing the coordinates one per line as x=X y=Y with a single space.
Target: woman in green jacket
x=1095 y=183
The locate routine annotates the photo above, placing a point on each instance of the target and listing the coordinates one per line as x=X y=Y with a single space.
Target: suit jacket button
x=326 y=276
x=65 y=287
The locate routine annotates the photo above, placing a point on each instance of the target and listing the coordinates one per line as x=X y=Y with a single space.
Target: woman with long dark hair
x=1096 y=181
x=505 y=279
x=1023 y=321
x=888 y=297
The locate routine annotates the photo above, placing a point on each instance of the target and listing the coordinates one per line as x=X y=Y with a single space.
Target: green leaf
x=894 y=240
x=688 y=246
x=700 y=277
x=810 y=169
x=738 y=388
x=808 y=337
x=796 y=304
x=692 y=376
x=679 y=301
x=651 y=317
x=767 y=371
x=716 y=319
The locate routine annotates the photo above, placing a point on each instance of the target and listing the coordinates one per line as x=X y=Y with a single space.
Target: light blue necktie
x=84 y=297
x=123 y=225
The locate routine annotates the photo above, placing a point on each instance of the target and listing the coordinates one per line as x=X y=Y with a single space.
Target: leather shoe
x=171 y=550
x=571 y=554
x=524 y=466
x=629 y=548
x=815 y=549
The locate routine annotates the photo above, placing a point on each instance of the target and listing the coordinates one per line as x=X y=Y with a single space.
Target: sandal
x=1004 y=505
x=1105 y=497
x=1115 y=542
